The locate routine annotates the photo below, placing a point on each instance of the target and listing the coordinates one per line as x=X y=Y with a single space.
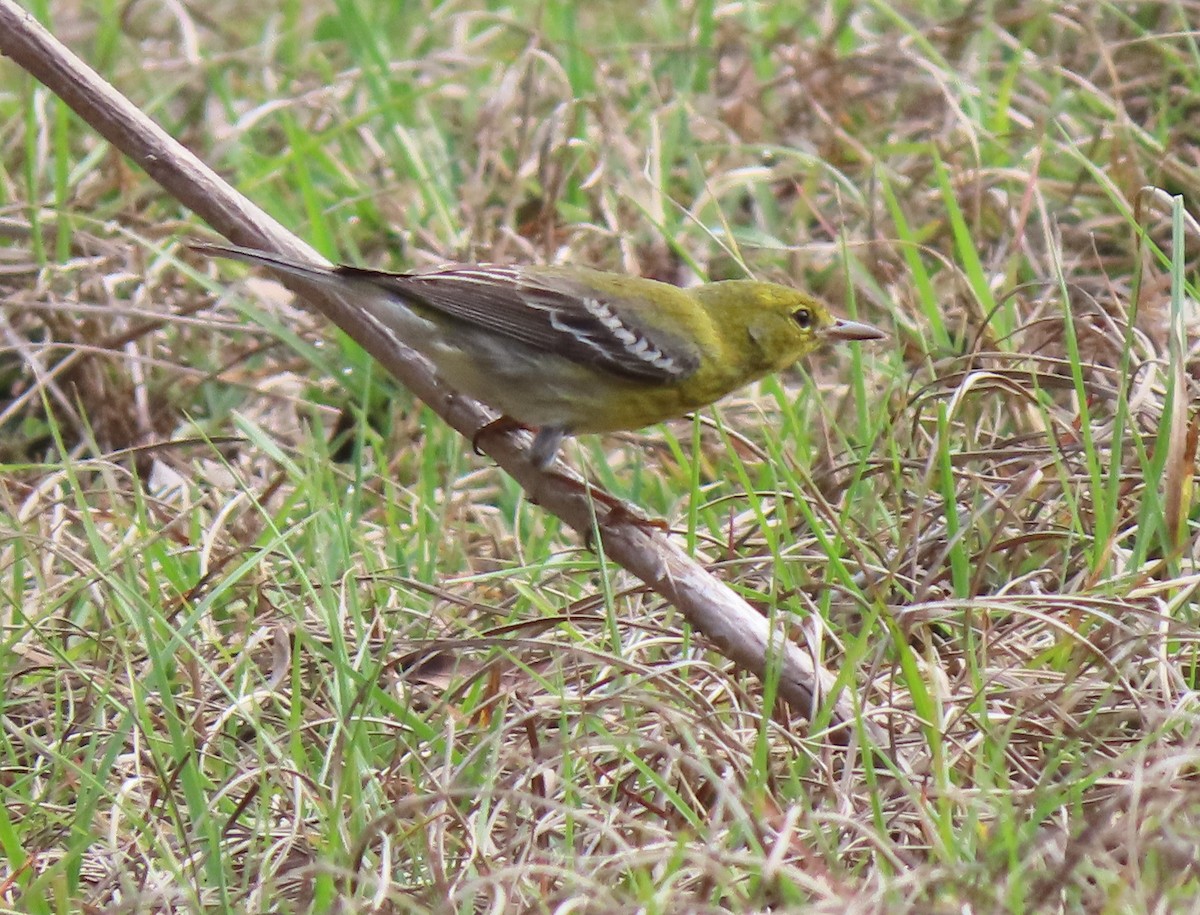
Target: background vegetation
x=274 y=639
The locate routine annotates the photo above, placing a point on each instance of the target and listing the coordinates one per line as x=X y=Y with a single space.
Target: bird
x=570 y=350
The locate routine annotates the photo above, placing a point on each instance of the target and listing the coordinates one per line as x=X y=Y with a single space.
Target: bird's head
x=778 y=324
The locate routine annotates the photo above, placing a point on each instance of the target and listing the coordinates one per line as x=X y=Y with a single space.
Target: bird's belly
x=542 y=389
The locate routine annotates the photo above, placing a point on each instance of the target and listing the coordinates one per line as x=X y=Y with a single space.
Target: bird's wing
x=564 y=315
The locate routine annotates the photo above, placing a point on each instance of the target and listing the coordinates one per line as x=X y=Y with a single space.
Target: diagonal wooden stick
x=732 y=625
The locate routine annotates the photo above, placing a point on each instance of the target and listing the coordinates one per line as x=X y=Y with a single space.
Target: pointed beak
x=853 y=330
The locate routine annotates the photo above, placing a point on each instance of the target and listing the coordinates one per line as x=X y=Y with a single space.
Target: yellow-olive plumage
x=572 y=350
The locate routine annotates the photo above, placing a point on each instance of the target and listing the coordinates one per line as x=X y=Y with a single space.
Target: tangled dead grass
x=244 y=675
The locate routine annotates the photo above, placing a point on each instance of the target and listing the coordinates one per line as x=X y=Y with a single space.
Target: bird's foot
x=545 y=442
x=495 y=427
x=619 y=512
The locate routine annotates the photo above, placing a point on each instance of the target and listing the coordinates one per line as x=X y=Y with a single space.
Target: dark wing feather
x=558 y=314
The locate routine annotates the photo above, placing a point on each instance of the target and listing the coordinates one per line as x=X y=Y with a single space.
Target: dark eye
x=803 y=318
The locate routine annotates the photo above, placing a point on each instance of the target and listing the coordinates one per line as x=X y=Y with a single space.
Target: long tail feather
x=267 y=259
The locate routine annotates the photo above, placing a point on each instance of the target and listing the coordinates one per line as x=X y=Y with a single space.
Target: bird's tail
x=326 y=276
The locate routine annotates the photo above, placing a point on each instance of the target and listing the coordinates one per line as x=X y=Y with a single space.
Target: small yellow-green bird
x=570 y=350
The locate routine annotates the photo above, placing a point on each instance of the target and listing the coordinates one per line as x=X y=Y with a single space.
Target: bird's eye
x=803 y=318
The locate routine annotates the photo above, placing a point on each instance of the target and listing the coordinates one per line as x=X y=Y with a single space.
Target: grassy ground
x=274 y=639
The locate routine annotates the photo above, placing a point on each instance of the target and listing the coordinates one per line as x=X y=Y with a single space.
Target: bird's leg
x=545 y=445
x=545 y=448
x=495 y=427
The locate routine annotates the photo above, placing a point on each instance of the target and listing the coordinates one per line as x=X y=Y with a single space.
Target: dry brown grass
x=243 y=675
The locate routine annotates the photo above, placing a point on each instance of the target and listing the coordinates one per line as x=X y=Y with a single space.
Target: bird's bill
x=853 y=330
